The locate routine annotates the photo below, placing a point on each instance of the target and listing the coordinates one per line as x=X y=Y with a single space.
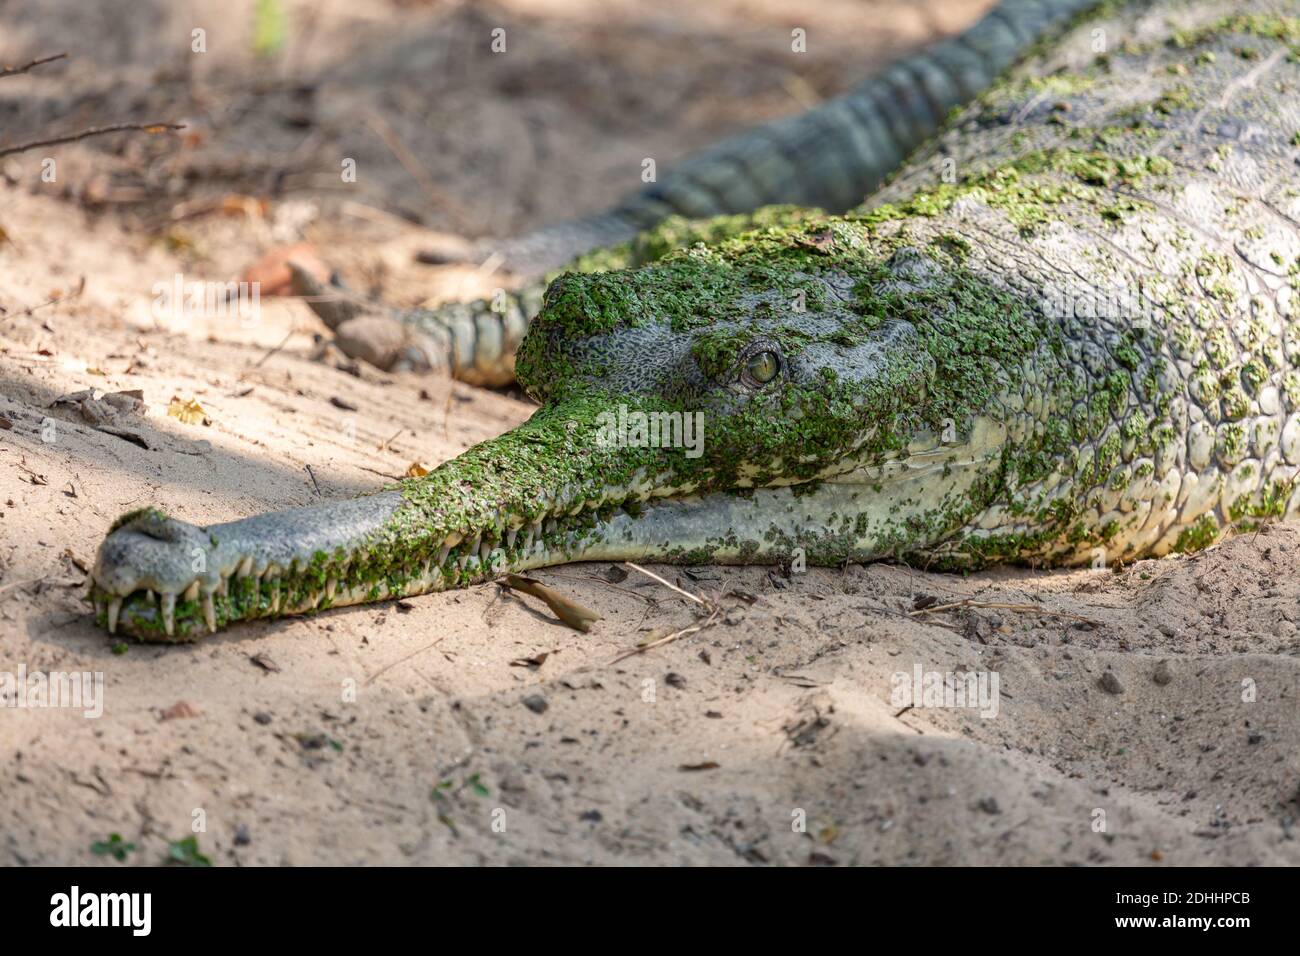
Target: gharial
x=1067 y=327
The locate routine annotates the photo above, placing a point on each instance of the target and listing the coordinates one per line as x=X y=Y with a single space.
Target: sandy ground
x=1141 y=715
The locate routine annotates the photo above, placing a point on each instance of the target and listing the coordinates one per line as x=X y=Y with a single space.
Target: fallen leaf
x=264 y=662
x=570 y=612
x=272 y=274
x=81 y=563
x=180 y=710
x=707 y=765
x=5 y=424
x=537 y=660
x=189 y=412
x=237 y=204
x=415 y=470
x=342 y=403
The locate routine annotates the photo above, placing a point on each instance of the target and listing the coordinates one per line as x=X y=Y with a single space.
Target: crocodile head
x=793 y=392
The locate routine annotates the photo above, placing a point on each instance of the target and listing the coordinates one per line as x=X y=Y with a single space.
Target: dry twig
x=81 y=287
x=999 y=605
x=713 y=607
x=650 y=574
x=401 y=660
x=39 y=61
x=92 y=131
x=669 y=638
x=436 y=196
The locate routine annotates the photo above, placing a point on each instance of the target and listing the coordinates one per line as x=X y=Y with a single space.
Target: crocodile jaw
x=158 y=578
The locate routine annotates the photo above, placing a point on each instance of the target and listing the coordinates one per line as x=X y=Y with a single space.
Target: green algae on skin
x=1028 y=193
x=678 y=232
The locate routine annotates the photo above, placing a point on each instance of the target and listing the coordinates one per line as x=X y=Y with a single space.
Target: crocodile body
x=1067 y=329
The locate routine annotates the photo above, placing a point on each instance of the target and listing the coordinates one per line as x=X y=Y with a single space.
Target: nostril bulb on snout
x=148 y=521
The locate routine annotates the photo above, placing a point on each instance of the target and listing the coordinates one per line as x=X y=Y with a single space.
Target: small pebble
x=536 y=703
x=1110 y=683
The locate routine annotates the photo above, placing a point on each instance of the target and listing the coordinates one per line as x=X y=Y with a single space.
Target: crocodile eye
x=762 y=367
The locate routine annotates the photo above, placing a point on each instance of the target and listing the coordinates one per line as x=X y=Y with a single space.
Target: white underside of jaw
x=854 y=505
x=865 y=516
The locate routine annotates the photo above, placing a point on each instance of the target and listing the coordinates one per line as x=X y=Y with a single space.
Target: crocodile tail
x=832 y=156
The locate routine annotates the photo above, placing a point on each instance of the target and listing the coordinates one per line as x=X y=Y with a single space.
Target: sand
x=1140 y=715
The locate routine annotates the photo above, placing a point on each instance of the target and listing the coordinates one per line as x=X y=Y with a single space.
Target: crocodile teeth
x=245 y=567
x=192 y=592
x=210 y=613
x=150 y=596
x=442 y=555
x=485 y=551
x=114 y=609
x=331 y=585
x=511 y=535
x=222 y=588
x=169 y=614
x=275 y=595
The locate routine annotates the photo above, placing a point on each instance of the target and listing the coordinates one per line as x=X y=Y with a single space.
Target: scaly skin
x=952 y=380
x=829 y=157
